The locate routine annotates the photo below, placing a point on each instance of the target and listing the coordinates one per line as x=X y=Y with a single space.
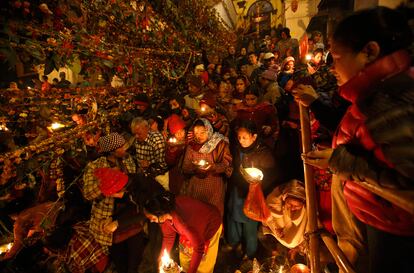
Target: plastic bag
x=255 y=206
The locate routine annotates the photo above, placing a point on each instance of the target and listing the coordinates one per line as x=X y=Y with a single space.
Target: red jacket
x=197 y=221
x=263 y=114
x=360 y=149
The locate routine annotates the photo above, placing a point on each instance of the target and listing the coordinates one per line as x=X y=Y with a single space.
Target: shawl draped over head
x=214 y=138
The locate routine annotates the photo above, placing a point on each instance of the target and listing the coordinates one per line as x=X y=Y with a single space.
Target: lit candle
x=165 y=259
x=202 y=163
x=172 y=140
x=254 y=173
x=168 y=265
x=3 y=127
x=308 y=57
x=203 y=109
x=5 y=248
x=56 y=125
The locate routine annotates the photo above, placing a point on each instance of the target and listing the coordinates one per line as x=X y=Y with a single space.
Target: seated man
x=288 y=219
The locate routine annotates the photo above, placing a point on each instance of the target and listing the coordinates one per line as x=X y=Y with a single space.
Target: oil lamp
x=254 y=173
x=168 y=265
x=5 y=248
x=172 y=140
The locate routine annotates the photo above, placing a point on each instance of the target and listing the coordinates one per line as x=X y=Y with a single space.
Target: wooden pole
x=340 y=259
x=311 y=208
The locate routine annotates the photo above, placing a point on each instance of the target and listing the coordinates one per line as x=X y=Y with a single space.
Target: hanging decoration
x=109 y=35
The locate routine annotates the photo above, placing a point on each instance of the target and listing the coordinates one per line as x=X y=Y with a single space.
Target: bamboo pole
x=311 y=208
x=340 y=259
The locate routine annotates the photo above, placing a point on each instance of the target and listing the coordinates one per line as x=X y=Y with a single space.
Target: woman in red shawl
x=262 y=113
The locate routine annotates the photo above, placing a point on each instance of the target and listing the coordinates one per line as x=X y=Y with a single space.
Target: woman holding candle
x=373 y=142
x=197 y=224
x=262 y=113
x=207 y=180
x=249 y=152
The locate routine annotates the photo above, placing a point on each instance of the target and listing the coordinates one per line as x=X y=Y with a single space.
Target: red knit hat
x=175 y=124
x=111 y=180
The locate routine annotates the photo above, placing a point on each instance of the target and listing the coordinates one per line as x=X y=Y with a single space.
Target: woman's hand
x=318 y=159
x=305 y=94
x=111 y=227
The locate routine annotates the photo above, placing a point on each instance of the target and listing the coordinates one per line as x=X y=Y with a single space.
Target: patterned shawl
x=214 y=138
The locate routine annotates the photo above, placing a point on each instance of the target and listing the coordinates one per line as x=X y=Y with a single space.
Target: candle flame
x=308 y=57
x=172 y=140
x=202 y=162
x=3 y=127
x=165 y=259
x=5 y=248
x=203 y=109
x=56 y=125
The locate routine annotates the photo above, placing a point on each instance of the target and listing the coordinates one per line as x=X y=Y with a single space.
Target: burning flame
x=5 y=248
x=308 y=57
x=202 y=162
x=56 y=125
x=172 y=140
x=3 y=127
x=165 y=260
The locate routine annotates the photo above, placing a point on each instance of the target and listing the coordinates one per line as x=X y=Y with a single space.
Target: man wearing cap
x=200 y=71
x=271 y=90
x=113 y=150
x=114 y=216
x=195 y=89
x=269 y=62
x=150 y=151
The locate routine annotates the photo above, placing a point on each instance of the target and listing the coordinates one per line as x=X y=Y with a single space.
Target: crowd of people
x=176 y=167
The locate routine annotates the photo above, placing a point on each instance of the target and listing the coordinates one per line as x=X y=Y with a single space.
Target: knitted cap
x=287 y=59
x=175 y=124
x=268 y=55
x=200 y=67
x=110 y=180
x=110 y=142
